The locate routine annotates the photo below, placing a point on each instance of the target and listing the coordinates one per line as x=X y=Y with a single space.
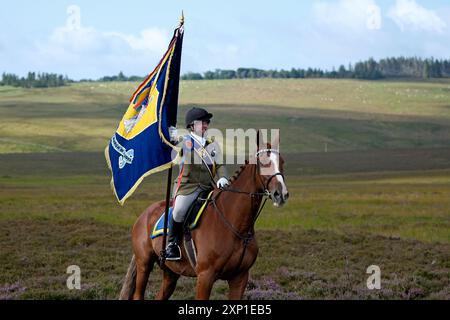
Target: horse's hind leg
x=144 y=266
x=168 y=285
x=237 y=286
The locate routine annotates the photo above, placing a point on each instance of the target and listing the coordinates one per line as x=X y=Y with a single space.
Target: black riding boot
x=173 y=251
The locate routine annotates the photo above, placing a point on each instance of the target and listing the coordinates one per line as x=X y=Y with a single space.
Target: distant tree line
x=120 y=77
x=46 y=80
x=35 y=80
x=370 y=69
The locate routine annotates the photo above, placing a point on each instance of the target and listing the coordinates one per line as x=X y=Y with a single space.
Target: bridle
x=258 y=168
x=265 y=186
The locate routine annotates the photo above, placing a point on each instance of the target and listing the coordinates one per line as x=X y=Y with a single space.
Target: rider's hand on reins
x=222 y=182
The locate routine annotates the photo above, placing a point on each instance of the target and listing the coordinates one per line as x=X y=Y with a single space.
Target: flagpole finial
x=182 y=18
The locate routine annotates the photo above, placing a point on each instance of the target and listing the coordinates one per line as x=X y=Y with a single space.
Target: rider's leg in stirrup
x=182 y=204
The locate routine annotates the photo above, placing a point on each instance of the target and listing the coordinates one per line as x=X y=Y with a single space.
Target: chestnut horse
x=224 y=238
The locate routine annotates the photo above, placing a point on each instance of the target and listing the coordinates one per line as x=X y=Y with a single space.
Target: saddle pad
x=158 y=229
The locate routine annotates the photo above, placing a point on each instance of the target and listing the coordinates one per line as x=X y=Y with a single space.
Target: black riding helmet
x=197 y=114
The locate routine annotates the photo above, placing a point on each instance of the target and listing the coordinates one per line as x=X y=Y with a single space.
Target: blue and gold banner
x=141 y=145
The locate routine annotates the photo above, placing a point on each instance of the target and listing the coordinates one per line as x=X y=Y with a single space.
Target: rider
x=197 y=171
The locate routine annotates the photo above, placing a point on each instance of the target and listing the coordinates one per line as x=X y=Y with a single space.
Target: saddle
x=191 y=221
x=192 y=218
x=195 y=211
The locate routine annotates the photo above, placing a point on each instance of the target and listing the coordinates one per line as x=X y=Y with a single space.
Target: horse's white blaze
x=275 y=160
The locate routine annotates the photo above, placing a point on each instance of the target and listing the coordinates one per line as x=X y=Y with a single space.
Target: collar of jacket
x=200 y=140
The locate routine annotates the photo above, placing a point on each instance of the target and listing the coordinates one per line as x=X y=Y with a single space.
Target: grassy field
x=380 y=195
x=346 y=115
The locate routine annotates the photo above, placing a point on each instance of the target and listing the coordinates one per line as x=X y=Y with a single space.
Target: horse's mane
x=238 y=172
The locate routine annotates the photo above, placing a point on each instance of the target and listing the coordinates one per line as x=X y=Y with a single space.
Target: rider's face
x=200 y=127
x=205 y=125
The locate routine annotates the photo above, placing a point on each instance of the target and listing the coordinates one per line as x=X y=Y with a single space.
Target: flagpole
x=162 y=256
x=166 y=216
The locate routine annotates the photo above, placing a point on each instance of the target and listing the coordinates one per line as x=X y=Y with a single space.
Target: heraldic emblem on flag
x=141 y=145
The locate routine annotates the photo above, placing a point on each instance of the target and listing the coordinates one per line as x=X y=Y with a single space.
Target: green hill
x=343 y=114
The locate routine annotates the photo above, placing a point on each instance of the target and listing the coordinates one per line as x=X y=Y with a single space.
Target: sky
x=91 y=39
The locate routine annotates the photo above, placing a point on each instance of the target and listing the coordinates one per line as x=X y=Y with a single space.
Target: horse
x=224 y=238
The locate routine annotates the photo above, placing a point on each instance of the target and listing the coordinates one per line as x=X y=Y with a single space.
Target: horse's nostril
x=287 y=195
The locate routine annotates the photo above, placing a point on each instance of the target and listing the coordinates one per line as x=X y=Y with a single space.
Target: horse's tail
x=129 y=284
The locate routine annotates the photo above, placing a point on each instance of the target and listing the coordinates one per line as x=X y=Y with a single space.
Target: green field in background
x=344 y=115
x=380 y=195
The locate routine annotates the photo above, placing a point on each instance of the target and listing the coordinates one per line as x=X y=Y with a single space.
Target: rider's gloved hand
x=173 y=133
x=222 y=182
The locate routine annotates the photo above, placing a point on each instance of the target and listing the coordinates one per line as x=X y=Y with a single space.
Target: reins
x=246 y=239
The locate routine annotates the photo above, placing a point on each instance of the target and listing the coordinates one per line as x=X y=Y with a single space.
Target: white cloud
x=149 y=40
x=407 y=14
x=340 y=31
x=90 y=50
x=348 y=15
x=373 y=21
x=89 y=40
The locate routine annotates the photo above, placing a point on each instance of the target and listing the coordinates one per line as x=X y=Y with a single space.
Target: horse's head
x=269 y=164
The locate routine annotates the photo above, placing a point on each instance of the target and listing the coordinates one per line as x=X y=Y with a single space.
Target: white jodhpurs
x=182 y=204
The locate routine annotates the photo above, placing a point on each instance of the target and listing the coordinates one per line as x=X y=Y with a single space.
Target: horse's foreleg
x=168 y=285
x=143 y=269
x=237 y=286
x=205 y=281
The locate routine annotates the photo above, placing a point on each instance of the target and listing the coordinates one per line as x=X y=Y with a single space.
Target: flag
x=141 y=144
